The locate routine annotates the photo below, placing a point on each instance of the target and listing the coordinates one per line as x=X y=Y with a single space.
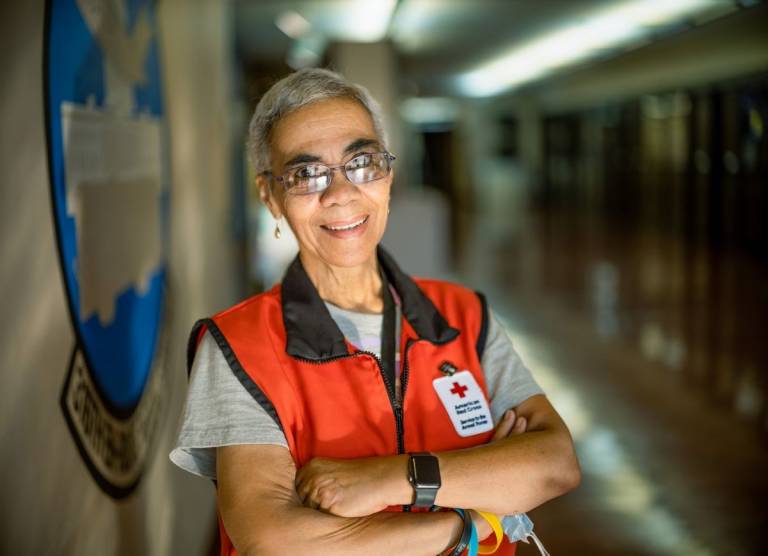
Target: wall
x=51 y=504
x=374 y=66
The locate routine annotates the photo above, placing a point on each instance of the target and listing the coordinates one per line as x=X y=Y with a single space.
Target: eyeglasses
x=314 y=178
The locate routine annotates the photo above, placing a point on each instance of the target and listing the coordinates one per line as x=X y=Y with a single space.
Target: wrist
x=399 y=490
x=454 y=537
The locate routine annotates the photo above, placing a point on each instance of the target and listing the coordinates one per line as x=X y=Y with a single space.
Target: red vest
x=330 y=399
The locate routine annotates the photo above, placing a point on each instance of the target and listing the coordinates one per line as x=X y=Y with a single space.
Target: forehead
x=322 y=127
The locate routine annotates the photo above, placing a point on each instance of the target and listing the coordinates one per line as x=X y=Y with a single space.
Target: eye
x=309 y=171
x=360 y=161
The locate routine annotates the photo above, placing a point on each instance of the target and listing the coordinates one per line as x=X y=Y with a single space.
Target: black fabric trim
x=192 y=344
x=387 y=351
x=418 y=309
x=483 y=335
x=234 y=364
x=311 y=331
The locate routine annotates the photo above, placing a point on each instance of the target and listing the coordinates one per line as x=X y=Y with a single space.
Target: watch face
x=426 y=471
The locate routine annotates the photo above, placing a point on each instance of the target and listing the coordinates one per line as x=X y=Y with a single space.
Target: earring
x=277 y=229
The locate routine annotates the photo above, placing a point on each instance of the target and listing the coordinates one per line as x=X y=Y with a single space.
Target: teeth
x=349 y=227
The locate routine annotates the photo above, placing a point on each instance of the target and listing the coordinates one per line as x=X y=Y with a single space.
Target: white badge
x=465 y=403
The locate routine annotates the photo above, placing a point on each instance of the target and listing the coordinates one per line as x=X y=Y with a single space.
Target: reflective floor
x=654 y=352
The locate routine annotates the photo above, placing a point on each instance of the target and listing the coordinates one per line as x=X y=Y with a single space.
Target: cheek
x=298 y=212
x=378 y=193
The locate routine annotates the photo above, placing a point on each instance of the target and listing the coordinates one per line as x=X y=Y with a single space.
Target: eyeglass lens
x=361 y=169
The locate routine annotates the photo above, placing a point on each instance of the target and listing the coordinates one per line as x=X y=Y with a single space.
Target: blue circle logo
x=107 y=153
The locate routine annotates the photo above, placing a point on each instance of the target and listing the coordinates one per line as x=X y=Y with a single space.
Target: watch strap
x=424 y=497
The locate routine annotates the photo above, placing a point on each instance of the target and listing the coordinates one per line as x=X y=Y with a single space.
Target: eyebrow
x=302 y=158
x=357 y=144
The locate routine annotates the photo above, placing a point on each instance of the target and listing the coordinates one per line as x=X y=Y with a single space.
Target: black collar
x=313 y=334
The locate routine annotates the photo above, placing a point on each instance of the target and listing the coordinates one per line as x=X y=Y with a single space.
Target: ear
x=267 y=195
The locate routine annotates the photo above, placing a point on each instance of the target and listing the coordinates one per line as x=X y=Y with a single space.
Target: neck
x=356 y=288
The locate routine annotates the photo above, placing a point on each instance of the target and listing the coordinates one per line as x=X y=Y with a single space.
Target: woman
x=351 y=388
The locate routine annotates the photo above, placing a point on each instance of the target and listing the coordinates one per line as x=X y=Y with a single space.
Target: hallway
x=671 y=444
x=596 y=168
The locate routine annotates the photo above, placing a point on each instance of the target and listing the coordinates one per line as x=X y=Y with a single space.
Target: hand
x=510 y=425
x=352 y=487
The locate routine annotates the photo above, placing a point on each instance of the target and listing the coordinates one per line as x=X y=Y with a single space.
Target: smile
x=346 y=227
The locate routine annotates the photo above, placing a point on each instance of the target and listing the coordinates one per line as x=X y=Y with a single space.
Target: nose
x=340 y=191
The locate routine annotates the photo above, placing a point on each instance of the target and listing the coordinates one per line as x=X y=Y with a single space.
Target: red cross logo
x=459 y=389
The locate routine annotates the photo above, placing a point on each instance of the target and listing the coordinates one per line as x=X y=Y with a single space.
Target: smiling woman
x=335 y=254
x=351 y=391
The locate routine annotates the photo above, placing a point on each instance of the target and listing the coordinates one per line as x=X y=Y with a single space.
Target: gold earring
x=277 y=229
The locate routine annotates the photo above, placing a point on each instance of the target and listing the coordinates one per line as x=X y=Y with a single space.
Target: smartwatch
x=424 y=476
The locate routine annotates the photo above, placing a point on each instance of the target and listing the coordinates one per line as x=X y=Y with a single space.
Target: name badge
x=465 y=403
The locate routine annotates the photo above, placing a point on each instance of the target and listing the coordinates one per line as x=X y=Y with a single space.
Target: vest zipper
x=404 y=383
x=403 y=386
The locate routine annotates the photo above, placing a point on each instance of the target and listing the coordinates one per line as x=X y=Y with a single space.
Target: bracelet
x=493 y=520
x=468 y=535
x=473 y=542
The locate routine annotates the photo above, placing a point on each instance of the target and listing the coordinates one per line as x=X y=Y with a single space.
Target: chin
x=348 y=253
x=349 y=257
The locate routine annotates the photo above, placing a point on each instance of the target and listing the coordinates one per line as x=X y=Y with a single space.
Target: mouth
x=338 y=227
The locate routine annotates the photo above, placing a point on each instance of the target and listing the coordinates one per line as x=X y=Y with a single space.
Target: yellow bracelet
x=496 y=526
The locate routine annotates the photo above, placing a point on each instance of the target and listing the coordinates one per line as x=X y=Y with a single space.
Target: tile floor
x=655 y=354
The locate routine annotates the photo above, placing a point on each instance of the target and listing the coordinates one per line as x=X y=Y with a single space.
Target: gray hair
x=295 y=91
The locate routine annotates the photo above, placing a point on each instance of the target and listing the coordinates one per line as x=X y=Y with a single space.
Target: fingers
x=322 y=498
x=504 y=427
x=306 y=488
x=309 y=494
x=509 y=425
x=307 y=479
x=303 y=491
x=316 y=491
x=521 y=424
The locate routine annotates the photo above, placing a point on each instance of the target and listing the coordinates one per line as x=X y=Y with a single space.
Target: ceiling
x=438 y=41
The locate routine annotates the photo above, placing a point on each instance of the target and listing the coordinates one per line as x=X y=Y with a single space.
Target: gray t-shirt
x=220 y=412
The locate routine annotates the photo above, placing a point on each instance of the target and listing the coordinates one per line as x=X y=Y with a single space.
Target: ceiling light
x=292 y=24
x=353 y=20
x=368 y=20
x=605 y=29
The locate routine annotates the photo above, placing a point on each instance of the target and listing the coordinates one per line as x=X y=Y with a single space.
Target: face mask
x=519 y=527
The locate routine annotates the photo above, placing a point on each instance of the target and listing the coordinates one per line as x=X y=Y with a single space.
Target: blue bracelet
x=473 y=544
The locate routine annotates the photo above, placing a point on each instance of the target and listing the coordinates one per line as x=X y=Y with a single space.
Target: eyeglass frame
x=282 y=177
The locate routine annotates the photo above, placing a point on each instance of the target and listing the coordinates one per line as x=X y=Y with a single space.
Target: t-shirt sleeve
x=509 y=381
x=218 y=411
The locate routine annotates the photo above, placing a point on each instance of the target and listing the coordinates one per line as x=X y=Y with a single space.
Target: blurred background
x=598 y=168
